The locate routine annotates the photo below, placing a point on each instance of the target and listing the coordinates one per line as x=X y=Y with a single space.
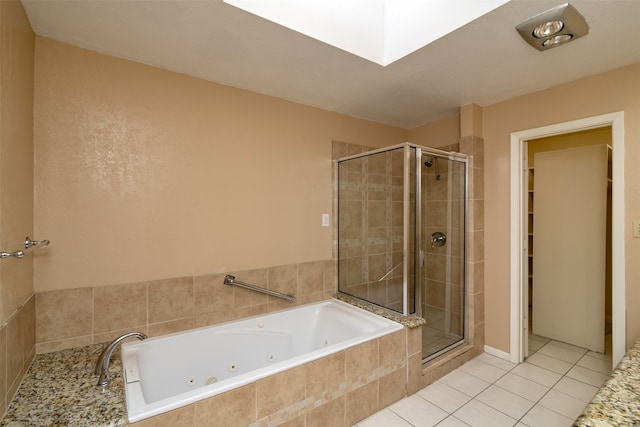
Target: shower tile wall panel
x=76 y=317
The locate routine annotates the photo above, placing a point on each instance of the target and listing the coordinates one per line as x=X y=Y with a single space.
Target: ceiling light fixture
x=554 y=27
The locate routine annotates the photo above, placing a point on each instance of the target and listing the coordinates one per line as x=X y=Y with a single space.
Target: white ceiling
x=483 y=62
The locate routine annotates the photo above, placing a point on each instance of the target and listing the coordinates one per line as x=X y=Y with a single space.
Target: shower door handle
x=438 y=239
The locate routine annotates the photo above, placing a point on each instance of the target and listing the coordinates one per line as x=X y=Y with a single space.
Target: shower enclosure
x=401 y=236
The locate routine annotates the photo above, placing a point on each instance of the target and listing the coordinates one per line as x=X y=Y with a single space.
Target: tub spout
x=102 y=365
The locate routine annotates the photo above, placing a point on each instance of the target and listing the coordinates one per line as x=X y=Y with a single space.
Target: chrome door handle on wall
x=438 y=239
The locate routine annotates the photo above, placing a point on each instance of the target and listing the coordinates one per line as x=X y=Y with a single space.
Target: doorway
x=569 y=239
x=519 y=229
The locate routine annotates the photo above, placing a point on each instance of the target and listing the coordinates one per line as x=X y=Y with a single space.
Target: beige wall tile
x=330 y=276
x=325 y=375
x=414 y=340
x=119 y=307
x=392 y=387
x=254 y=310
x=281 y=390
x=48 y=347
x=392 y=347
x=361 y=359
x=110 y=336
x=3 y=371
x=64 y=314
x=211 y=294
x=299 y=421
x=414 y=373
x=311 y=277
x=170 y=299
x=234 y=408
x=329 y=414
x=361 y=403
x=181 y=417
x=283 y=279
x=213 y=318
x=171 y=327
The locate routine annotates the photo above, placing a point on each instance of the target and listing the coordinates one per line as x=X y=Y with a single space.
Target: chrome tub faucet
x=102 y=365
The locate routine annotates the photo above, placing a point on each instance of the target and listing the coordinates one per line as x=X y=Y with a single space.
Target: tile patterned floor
x=551 y=388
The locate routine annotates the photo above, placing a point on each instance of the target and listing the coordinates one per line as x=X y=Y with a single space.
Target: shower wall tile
x=78 y=317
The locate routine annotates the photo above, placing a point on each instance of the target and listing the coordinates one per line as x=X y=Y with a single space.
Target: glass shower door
x=443 y=205
x=374 y=219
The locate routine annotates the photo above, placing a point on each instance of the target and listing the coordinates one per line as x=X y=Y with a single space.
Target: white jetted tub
x=171 y=371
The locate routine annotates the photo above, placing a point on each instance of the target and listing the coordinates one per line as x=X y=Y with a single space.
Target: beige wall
x=144 y=174
x=618 y=90
x=17 y=313
x=439 y=133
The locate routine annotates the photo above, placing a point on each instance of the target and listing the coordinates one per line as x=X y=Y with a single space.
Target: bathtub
x=172 y=371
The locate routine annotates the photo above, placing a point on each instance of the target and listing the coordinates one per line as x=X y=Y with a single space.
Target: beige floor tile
x=444 y=396
x=384 y=418
x=465 y=382
x=550 y=363
x=478 y=414
x=563 y=404
x=537 y=374
x=418 y=411
x=506 y=402
x=539 y=416
x=575 y=388
x=522 y=387
x=595 y=364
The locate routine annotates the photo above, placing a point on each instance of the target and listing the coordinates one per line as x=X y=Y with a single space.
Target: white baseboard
x=497 y=353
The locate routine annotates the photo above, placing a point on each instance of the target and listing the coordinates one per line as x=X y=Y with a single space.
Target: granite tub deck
x=60 y=390
x=617 y=403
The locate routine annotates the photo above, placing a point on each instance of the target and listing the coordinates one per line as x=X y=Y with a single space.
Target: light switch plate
x=636 y=228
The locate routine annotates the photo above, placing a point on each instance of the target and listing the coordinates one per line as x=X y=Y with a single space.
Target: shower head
x=429 y=162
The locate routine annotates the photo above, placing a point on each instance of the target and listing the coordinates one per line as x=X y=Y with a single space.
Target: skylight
x=381 y=31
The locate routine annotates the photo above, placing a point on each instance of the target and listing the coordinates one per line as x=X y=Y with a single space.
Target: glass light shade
x=547 y=29
x=553 y=41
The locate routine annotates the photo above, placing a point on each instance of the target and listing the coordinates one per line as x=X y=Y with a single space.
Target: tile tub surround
x=17 y=350
x=617 y=402
x=71 y=318
x=338 y=390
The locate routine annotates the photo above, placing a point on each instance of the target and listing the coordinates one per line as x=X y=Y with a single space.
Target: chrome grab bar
x=231 y=281
x=28 y=244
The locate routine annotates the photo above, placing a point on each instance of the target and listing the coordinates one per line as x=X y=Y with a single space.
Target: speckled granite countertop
x=60 y=390
x=408 y=321
x=617 y=403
